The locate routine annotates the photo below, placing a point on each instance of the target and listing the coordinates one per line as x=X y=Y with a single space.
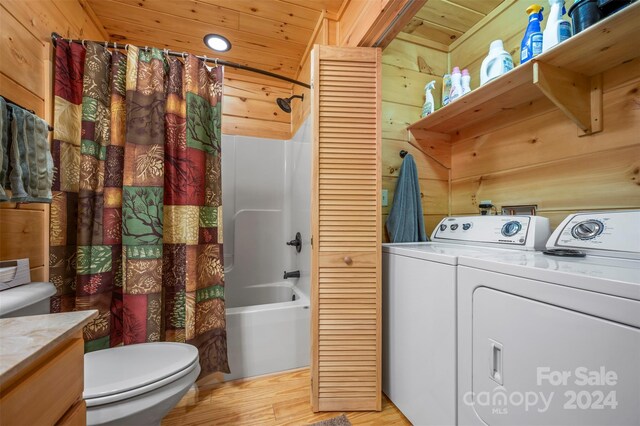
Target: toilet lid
x=116 y=371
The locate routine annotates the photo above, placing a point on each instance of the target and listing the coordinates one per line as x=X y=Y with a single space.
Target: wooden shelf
x=568 y=76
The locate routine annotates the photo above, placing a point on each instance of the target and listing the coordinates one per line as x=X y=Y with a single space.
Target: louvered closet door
x=346 y=290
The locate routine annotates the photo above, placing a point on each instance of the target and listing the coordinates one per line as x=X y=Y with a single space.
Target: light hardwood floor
x=279 y=399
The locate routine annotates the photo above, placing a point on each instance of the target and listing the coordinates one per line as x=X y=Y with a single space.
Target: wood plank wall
x=406 y=69
x=540 y=159
x=25 y=28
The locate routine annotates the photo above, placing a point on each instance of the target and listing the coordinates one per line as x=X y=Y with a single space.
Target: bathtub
x=267 y=329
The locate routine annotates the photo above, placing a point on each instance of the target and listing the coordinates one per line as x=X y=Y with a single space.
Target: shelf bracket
x=578 y=96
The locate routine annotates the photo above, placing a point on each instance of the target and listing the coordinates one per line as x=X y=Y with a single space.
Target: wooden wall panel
x=325 y=33
x=541 y=160
x=358 y=17
x=406 y=69
x=249 y=106
x=507 y=24
x=25 y=29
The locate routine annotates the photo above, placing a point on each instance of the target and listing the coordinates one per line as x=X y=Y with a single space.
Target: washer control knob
x=443 y=227
x=466 y=226
x=587 y=229
x=454 y=226
x=511 y=228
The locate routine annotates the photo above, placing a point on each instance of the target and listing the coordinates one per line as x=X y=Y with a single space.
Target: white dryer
x=554 y=340
x=419 y=308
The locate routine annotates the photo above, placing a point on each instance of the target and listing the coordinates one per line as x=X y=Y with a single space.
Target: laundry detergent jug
x=498 y=62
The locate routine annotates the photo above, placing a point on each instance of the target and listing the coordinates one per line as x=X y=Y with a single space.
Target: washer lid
x=446 y=253
x=616 y=277
x=124 y=368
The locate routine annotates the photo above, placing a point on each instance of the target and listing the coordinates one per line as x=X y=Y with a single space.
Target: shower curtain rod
x=56 y=36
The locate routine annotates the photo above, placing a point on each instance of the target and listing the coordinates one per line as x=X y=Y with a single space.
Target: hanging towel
x=4 y=148
x=405 y=222
x=30 y=161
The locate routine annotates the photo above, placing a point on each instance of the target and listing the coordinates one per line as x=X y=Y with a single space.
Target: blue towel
x=4 y=149
x=31 y=164
x=405 y=223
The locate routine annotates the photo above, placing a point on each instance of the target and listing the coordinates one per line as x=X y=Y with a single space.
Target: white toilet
x=137 y=384
x=126 y=385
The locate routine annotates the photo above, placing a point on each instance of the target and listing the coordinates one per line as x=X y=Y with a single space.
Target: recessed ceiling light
x=217 y=42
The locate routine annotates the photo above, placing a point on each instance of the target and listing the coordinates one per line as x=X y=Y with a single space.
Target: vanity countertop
x=24 y=339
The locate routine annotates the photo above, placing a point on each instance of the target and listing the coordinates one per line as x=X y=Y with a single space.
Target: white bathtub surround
x=301 y=150
x=266 y=188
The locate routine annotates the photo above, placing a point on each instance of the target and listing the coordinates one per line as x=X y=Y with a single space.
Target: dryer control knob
x=587 y=230
x=443 y=227
x=511 y=228
x=454 y=226
x=466 y=226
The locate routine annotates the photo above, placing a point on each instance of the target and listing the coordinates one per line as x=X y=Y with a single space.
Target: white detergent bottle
x=466 y=81
x=557 y=29
x=429 y=103
x=456 y=84
x=498 y=62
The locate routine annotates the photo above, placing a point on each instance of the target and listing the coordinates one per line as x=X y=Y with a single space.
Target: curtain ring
x=115 y=45
x=184 y=56
x=216 y=62
x=146 y=49
x=126 y=47
x=106 y=44
x=204 y=58
x=83 y=45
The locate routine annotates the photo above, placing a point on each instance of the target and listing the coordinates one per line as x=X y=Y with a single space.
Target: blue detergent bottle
x=531 y=45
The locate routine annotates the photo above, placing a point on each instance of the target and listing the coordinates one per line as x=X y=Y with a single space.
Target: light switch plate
x=385 y=197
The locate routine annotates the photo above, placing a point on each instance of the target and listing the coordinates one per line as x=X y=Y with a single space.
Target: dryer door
x=535 y=363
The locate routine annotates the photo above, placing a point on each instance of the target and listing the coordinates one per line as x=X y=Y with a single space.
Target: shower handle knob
x=348 y=260
x=297 y=242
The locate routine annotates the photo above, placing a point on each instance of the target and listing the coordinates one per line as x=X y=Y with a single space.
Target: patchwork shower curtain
x=136 y=218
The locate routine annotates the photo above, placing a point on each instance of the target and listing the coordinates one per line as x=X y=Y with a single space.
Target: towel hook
x=403 y=153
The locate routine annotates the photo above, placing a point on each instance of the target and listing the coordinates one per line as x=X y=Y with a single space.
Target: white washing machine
x=419 y=308
x=551 y=340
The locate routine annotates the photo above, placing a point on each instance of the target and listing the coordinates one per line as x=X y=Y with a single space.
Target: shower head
x=285 y=103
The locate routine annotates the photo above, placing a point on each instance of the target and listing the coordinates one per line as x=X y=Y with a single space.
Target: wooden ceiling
x=268 y=34
x=443 y=21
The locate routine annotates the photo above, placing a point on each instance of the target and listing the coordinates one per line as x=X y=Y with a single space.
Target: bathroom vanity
x=42 y=369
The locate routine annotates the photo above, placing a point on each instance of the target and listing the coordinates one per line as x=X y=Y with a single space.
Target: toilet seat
x=124 y=372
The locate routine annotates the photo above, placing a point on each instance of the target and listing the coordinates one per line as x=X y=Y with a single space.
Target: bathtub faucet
x=292 y=274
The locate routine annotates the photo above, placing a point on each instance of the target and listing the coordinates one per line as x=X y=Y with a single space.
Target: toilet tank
x=27 y=299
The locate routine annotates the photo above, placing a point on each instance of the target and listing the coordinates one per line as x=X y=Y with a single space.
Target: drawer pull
x=348 y=260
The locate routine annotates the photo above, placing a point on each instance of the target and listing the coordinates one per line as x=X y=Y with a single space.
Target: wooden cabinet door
x=346 y=255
